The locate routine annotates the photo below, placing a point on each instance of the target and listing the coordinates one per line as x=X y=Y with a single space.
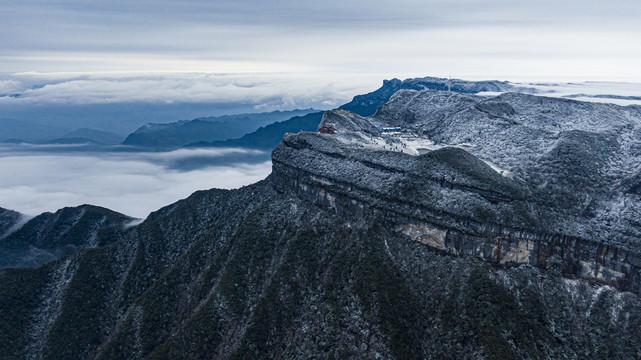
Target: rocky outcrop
x=465 y=235
x=555 y=202
x=206 y=130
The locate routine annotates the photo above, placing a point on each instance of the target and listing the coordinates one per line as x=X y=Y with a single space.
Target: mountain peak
x=529 y=170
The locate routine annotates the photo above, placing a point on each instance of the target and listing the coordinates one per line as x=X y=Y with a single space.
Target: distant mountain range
x=79 y=136
x=176 y=134
x=364 y=105
x=48 y=236
x=34 y=123
x=265 y=130
x=98 y=136
x=182 y=133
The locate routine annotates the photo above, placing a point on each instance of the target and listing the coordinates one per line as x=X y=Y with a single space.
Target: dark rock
x=555 y=202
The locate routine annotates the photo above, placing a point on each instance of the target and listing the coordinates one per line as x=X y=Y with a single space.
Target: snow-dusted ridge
x=531 y=175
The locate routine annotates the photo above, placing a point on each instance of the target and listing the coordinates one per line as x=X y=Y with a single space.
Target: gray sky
x=503 y=39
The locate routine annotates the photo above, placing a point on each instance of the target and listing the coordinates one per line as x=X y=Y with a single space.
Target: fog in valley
x=35 y=179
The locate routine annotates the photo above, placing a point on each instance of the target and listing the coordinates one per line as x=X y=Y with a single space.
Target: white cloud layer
x=131 y=183
x=264 y=91
x=619 y=93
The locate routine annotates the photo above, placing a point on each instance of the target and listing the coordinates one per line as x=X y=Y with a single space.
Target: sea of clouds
x=133 y=183
x=266 y=92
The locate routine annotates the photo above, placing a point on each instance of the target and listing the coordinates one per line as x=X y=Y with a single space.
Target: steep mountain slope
x=206 y=129
x=258 y=273
x=51 y=236
x=428 y=241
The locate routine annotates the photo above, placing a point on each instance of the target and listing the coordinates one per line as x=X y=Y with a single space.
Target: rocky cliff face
x=374 y=242
x=367 y=104
x=516 y=178
x=209 y=129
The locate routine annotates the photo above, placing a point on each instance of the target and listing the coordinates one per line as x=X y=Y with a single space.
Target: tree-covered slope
x=50 y=236
x=262 y=274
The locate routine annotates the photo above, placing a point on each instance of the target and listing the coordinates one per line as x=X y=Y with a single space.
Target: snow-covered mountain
x=445 y=225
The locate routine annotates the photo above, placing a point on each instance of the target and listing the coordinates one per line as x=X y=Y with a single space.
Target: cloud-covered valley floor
x=134 y=183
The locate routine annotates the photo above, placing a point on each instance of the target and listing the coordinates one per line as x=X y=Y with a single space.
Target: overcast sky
x=502 y=39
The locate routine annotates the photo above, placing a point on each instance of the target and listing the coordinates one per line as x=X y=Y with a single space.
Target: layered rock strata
x=451 y=193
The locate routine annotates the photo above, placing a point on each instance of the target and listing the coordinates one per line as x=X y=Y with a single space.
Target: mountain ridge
x=271 y=135
x=354 y=286
x=205 y=129
x=50 y=236
x=445 y=225
x=267 y=137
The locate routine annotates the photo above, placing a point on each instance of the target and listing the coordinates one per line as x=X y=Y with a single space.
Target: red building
x=327 y=130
